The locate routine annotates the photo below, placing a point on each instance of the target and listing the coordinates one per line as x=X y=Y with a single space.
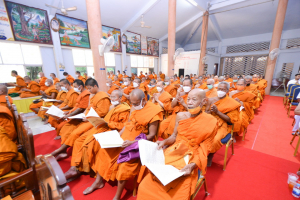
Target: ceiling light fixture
x=193 y=2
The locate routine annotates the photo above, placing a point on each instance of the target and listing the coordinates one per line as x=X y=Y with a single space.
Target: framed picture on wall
x=144 y=45
x=73 y=32
x=29 y=24
x=54 y=24
x=153 y=47
x=116 y=33
x=133 y=44
x=5 y=28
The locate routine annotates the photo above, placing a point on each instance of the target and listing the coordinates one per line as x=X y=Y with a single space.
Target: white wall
x=69 y=63
x=48 y=60
x=118 y=61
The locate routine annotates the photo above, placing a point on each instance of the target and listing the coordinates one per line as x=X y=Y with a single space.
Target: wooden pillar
x=203 y=42
x=171 y=36
x=95 y=34
x=275 y=42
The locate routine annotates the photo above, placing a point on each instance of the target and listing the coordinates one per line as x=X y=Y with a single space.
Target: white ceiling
x=233 y=21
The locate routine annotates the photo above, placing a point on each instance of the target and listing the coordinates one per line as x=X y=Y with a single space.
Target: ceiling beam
x=181 y=26
x=224 y=4
x=194 y=3
x=141 y=12
x=215 y=26
x=56 y=3
x=192 y=32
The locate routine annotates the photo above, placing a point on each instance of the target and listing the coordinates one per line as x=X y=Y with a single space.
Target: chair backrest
x=289 y=87
x=28 y=144
x=17 y=123
x=8 y=103
x=293 y=87
x=52 y=181
x=295 y=93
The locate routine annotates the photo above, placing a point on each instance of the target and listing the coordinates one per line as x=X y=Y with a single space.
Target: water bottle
x=296 y=190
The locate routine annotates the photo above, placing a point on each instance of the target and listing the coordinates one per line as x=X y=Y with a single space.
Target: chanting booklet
x=92 y=117
x=55 y=111
x=109 y=139
x=45 y=108
x=154 y=160
x=49 y=100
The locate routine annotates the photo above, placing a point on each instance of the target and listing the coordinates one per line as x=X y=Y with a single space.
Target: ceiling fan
x=63 y=10
x=143 y=23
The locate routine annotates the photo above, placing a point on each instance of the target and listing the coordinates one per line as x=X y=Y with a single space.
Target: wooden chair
x=228 y=140
x=51 y=179
x=293 y=100
x=244 y=134
x=298 y=143
x=201 y=181
x=287 y=94
x=291 y=94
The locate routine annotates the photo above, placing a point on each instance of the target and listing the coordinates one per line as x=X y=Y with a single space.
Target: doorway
x=216 y=68
x=181 y=72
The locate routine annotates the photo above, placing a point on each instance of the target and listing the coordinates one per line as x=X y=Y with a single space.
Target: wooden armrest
x=10 y=180
x=28 y=195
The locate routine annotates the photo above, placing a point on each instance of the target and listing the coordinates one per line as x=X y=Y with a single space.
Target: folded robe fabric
x=131 y=152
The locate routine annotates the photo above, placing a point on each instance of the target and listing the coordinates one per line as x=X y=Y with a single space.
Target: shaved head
x=117 y=93
x=3 y=90
x=198 y=92
x=137 y=93
x=196 y=98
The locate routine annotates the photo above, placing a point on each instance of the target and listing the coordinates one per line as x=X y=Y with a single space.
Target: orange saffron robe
x=48 y=91
x=10 y=158
x=117 y=83
x=19 y=81
x=141 y=76
x=82 y=79
x=100 y=102
x=67 y=126
x=151 y=77
x=42 y=83
x=155 y=76
x=139 y=123
x=86 y=147
x=112 y=88
x=162 y=76
x=253 y=88
x=70 y=100
x=60 y=96
x=7 y=122
x=230 y=107
x=211 y=93
x=171 y=89
x=233 y=87
x=203 y=86
x=247 y=114
x=166 y=99
x=56 y=80
x=195 y=136
x=120 y=77
x=127 y=91
x=35 y=90
x=3 y=100
x=70 y=79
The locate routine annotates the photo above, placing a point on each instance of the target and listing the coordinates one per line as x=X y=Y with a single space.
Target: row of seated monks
x=190 y=115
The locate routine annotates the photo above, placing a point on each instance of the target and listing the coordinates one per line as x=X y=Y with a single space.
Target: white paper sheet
x=109 y=139
x=92 y=113
x=79 y=116
x=49 y=100
x=45 y=108
x=53 y=110
x=154 y=160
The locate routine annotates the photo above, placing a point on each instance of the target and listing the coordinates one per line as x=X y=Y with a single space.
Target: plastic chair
x=287 y=93
x=228 y=140
x=298 y=143
x=200 y=182
x=294 y=100
x=290 y=97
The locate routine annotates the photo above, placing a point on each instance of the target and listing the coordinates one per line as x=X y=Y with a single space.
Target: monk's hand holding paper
x=160 y=144
x=84 y=119
x=188 y=169
x=127 y=143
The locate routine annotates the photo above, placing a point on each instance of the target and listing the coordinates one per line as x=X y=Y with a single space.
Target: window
x=5 y=76
x=33 y=71
x=109 y=59
x=79 y=57
x=141 y=63
x=11 y=53
x=31 y=54
x=83 y=61
x=81 y=70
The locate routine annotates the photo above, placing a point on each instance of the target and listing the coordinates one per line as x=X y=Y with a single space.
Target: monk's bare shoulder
x=232 y=93
x=182 y=116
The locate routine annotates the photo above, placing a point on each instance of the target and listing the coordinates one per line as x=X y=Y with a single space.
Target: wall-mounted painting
x=29 y=24
x=116 y=33
x=153 y=46
x=73 y=32
x=5 y=29
x=133 y=43
x=144 y=45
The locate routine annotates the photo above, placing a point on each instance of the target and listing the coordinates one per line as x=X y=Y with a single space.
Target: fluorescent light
x=193 y=2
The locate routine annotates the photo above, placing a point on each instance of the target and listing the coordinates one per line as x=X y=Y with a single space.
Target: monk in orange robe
x=68 y=104
x=120 y=76
x=124 y=75
x=262 y=84
x=60 y=97
x=116 y=81
x=246 y=100
x=69 y=77
x=211 y=91
x=151 y=76
x=111 y=86
x=228 y=79
x=179 y=104
x=86 y=147
x=50 y=93
x=141 y=75
x=127 y=90
x=144 y=118
x=234 y=82
x=155 y=76
x=54 y=78
x=82 y=103
x=216 y=79
x=144 y=85
x=260 y=87
x=78 y=75
x=162 y=76
x=42 y=80
x=226 y=111
x=163 y=98
x=170 y=88
x=111 y=75
x=10 y=158
x=7 y=122
x=32 y=90
x=3 y=95
x=193 y=136
x=152 y=88
x=200 y=84
x=137 y=85
x=176 y=81
x=20 y=83
x=252 y=88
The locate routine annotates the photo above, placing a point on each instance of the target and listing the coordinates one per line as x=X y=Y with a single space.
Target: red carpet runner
x=258 y=170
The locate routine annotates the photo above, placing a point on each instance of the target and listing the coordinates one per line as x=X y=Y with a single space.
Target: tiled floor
x=37 y=126
x=279 y=92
